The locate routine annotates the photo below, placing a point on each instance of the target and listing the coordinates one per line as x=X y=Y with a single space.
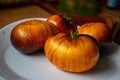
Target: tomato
x=64 y=24
x=30 y=36
x=73 y=54
x=98 y=30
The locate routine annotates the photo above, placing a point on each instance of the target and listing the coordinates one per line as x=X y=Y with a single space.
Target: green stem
x=68 y=19
x=74 y=35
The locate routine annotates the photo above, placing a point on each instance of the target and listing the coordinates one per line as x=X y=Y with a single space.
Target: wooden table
x=9 y=15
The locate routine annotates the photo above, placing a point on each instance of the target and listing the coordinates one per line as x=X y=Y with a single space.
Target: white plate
x=16 y=66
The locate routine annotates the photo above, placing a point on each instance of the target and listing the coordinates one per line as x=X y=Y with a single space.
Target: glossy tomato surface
x=99 y=31
x=73 y=55
x=30 y=36
x=63 y=24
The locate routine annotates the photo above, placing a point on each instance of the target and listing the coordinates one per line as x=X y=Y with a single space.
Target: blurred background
x=74 y=7
x=81 y=11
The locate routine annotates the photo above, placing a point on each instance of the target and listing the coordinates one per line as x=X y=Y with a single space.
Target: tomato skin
x=72 y=55
x=30 y=36
x=98 y=30
x=62 y=24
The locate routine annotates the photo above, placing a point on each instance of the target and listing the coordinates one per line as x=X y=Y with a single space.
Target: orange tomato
x=99 y=31
x=72 y=54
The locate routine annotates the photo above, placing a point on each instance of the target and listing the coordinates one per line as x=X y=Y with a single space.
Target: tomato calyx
x=67 y=19
x=74 y=35
x=69 y=22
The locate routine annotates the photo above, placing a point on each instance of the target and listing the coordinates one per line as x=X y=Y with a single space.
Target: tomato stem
x=74 y=35
x=68 y=19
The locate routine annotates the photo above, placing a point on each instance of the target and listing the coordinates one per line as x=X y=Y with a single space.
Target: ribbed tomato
x=30 y=36
x=64 y=24
x=72 y=54
x=99 y=31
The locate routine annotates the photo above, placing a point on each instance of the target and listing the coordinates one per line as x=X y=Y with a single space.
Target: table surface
x=9 y=15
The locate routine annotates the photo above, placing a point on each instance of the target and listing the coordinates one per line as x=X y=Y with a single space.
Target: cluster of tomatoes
x=66 y=46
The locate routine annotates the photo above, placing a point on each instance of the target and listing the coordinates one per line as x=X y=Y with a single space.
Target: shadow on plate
x=108 y=49
x=36 y=53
